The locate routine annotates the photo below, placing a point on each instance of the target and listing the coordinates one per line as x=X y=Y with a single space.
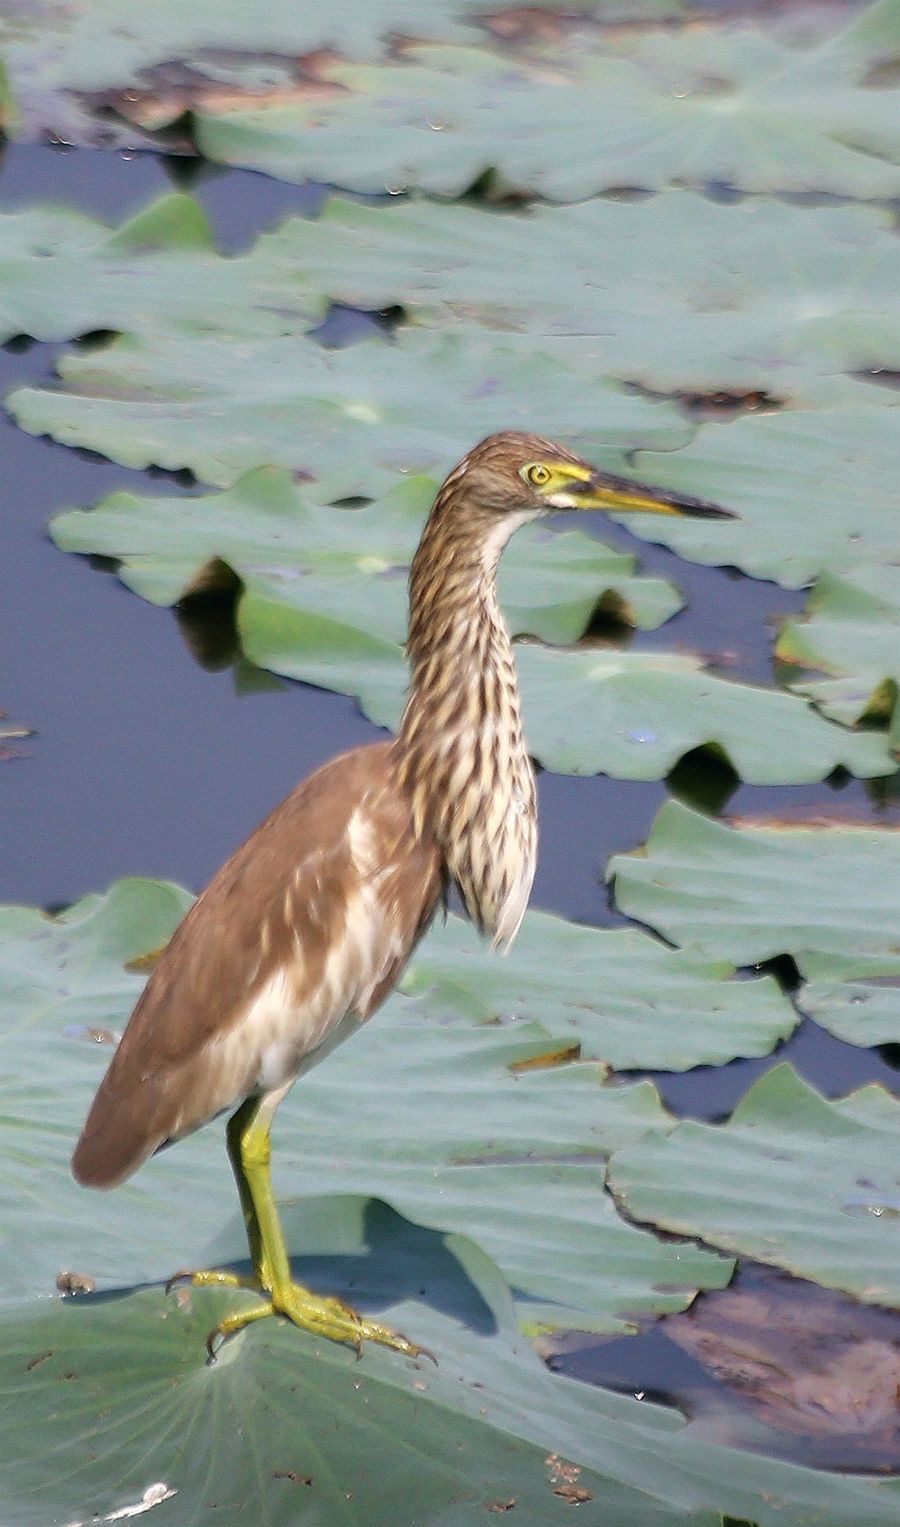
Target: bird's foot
x=210 y=1278
x=317 y=1313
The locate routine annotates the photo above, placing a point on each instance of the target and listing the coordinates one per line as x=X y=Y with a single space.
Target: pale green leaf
x=753 y=891
x=426 y=1115
x=351 y=420
x=850 y=631
x=791 y=1180
x=348 y=566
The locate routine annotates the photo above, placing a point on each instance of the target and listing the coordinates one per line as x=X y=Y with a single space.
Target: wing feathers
x=316 y=914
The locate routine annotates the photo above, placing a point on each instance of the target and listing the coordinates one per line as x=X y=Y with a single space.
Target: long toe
x=335 y=1320
x=210 y=1277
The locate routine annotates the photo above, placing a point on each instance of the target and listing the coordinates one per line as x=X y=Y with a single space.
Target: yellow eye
x=537 y=474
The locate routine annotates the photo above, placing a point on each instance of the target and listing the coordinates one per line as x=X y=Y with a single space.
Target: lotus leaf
x=855 y=997
x=348 y=566
x=764 y=320
x=286 y=1430
x=63 y=274
x=851 y=631
x=284 y=1427
x=795 y=294
x=688 y=108
x=815 y=490
x=351 y=420
x=635 y=714
x=792 y=1180
x=753 y=891
x=441 y=1120
x=619 y=996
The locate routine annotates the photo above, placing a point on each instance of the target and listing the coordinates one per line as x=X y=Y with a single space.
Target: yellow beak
x=603 y=490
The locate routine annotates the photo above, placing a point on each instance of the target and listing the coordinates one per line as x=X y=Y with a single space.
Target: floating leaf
x=635 y=714
x=795 y=295
x=286 y=1429
x=324 y=1437
x=63 y=274
x=352 y=420
x=426 y=1115
x=347 y=565
x=283 y=1423
x=855 y=997
x=316 y=606
x=792 y=1180
x=850 y=630
x=618 y=995
x=688 y=108
x=752 y=892
x=765 y=320
x=814 y=491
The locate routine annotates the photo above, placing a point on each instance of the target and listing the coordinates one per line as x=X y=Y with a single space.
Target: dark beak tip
x=702 y=511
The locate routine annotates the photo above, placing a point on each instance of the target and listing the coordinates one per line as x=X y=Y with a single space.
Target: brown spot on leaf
x=74 y=1283
x=575 y=1495
x=544 y=1062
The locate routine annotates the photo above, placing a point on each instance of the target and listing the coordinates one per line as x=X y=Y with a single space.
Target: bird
x=308 y=926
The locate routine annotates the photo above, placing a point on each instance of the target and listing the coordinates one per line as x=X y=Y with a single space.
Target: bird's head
x=526 y=475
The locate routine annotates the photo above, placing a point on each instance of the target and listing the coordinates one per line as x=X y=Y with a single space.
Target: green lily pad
x=564 y=123
x=63 y=274
x=635 y=714
x=814 y=491
x=752 y=892
x=796 y=294
x=850 y=631
x=632 y=715
x=348 y=566
x=619 y=996
x=316 y=607
x=351 y=420
x=288 y=1430
x=792 y=1180
x=284 y=1428
x=854 y=997
x=763 y=321
x=438 y=1119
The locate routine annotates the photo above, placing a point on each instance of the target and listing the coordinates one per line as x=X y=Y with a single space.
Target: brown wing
x=314 y=916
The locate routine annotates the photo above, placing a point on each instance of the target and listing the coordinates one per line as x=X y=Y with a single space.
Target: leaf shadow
x=368 y=1255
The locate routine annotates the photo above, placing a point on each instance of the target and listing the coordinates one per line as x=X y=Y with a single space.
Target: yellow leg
x=249 y=1147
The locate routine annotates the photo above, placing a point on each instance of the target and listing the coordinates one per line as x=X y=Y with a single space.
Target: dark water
x=146 y=763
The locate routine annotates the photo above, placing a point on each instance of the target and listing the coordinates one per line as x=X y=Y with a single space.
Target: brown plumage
x=324 y=902
x=308 y=926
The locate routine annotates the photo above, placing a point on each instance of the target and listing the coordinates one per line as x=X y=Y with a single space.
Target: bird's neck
x=461 y=748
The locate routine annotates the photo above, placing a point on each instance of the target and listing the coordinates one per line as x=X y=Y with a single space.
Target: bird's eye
x=537 y=474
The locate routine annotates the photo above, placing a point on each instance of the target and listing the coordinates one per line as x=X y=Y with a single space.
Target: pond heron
x=309 y=925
